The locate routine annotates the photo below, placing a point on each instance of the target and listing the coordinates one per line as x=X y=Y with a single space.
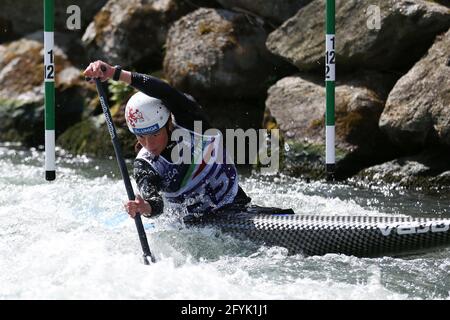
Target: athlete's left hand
x=139 y=205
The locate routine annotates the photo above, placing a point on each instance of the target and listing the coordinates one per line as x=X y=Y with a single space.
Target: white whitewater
x=70 y=239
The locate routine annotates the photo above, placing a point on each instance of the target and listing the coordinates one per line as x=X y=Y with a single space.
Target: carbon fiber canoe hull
x=361 y=236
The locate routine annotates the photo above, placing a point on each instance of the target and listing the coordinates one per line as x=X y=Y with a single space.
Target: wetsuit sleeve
x=184 y=108
x=149 y=184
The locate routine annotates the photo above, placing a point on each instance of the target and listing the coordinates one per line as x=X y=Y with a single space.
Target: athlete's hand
x=100 y=70
x=139 y=205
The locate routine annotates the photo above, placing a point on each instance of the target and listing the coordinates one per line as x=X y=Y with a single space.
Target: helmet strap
x=170 y=143
x=167 y=126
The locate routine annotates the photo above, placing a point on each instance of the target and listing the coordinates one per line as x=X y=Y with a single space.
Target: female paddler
x=187 y=168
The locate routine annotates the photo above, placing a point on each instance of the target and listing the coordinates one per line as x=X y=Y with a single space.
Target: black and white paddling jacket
x=205 y=184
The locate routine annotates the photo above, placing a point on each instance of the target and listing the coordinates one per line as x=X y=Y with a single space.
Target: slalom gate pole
x=330 y=77
x=49 y=89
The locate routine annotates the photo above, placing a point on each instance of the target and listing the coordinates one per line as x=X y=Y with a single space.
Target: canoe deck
x=361 y=236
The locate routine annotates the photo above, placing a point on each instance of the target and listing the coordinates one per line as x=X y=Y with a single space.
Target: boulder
x=275 y=11
x=219 y=54
x=407 y=29
x=132 y=32
x=417 y=110
x=298 y=105
x=22 y=92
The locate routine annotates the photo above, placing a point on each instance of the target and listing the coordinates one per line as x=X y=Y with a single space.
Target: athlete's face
x=156 y=142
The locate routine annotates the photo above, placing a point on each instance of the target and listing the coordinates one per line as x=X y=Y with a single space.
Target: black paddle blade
x=148 y=259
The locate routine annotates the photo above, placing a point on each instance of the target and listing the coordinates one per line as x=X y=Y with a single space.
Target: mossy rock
x=307 y=160
x=91 y=137
x=23 y=116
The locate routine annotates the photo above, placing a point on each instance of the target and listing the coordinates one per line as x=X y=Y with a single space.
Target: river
x=70 y=239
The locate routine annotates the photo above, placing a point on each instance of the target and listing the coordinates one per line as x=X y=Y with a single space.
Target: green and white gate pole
x=49 y=83
x=330 y=77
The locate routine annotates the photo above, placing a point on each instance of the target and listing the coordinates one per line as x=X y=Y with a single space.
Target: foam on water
x=70 y=239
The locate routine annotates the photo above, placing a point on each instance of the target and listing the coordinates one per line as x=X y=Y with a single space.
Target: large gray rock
x=25 y=16
x=418 y=108
x=131 y=32
x=275 y=11
x=298 y=105
x=407 y=29
x=22 y=92
x=219 y=54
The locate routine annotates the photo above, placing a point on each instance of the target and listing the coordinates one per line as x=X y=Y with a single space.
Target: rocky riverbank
x=251 y=64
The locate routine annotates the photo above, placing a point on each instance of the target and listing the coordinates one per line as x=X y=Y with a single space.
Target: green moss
x=120 y=92
x=307 y=160
x=85 y=138
x=91 y=137
x=10 y=104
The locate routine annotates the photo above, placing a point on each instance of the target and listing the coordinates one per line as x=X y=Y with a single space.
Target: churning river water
x=70 y=239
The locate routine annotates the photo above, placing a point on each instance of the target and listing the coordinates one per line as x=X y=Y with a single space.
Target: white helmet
x=145 y=114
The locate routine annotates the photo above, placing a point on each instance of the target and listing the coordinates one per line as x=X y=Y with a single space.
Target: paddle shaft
x=123 y=171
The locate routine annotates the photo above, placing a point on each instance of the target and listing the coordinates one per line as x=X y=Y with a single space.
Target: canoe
x=361 y=236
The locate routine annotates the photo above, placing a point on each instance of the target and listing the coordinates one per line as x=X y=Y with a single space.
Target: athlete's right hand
x=139 y=205
x=100 y=70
